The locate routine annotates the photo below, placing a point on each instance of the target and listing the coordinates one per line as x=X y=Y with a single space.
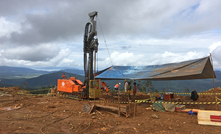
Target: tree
x=147 y=83
x=143 y=86
x=186 y=90
x=24 y=84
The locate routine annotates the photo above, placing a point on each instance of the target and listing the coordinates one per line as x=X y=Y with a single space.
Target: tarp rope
x=106 y=45
x=105 y=41
x=216 y=58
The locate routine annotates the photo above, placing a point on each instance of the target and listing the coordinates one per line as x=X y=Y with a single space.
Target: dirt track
x=46 y=114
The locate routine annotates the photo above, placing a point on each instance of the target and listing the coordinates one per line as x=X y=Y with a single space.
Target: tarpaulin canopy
x=192 y=69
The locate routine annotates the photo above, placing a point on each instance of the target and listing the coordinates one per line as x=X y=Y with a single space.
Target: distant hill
x=181 y=85
x=38 y=82
x=74 y=71
x=43 y=81
x=19 y=72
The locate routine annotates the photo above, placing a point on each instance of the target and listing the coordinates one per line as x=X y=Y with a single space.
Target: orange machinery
x=104 y=86
x=70 y=85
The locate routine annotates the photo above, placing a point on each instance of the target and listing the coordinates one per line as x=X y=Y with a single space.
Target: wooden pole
x=149 y=92
x=213 y=76
x=118 y=100
x=134 y=108
x=213 y=72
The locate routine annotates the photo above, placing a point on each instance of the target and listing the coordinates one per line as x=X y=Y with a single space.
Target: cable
x=56 y=120
x=86 y=128
x=105 y=41
x=216 y=57
x=15 y=109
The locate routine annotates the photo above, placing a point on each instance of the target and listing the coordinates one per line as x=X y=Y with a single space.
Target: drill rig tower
x=90 y=51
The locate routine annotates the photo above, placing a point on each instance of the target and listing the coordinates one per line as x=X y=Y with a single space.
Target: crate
x=166 y=96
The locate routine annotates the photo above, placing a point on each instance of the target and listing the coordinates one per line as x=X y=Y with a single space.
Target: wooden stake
x=134 y=108
x=150 y=92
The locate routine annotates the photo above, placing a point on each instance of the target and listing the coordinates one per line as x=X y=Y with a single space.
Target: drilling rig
x=90 y=89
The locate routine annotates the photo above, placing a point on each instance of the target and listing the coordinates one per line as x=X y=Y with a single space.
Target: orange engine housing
x=69 y=85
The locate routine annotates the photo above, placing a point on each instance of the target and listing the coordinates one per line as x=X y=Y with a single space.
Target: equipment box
x=94 y=89
x=166 y=96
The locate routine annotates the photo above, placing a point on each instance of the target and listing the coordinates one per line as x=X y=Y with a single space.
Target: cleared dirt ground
x=61 y=115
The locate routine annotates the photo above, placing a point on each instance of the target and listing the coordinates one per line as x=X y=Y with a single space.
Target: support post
x=118 y=100
x=213 y=76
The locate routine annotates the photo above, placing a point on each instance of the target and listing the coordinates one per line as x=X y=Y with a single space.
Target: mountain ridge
x=43 y=81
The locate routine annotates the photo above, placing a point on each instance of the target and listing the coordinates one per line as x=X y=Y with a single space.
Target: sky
x=49 y=33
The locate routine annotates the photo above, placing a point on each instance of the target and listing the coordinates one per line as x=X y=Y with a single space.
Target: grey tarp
x=192 y=69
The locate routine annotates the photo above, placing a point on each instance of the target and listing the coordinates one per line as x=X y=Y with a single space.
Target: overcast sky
x=49 y=33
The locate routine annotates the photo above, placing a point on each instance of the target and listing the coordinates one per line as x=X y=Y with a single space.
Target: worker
x=135 y=89
x=52 y=91
x=63 y=76
x=128 y=89
x=106 y=89
x=125 y=85
x=116 y=87
x=194 y=95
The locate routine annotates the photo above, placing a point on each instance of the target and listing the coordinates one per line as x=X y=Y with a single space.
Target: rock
x=79 y=112
x=155 y=116
x=24 y=97
x=52 y=106
x=103 y=129
x=170 y=128
x=184 y=122
x=93 y=117
x=149 y=108
x=138 y=124
x=16 y=105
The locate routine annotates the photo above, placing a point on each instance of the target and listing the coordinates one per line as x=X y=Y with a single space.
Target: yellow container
x=94 y=89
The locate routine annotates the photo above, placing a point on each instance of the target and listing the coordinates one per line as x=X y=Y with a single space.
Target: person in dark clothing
x=135 y=89
x=194 y=95
x=128 y=89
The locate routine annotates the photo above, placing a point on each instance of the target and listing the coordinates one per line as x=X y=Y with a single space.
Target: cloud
x=55 y=61
x=134 y=59
x=43 y=52
x=68 y=63
x=214 y=46
x=137 y=32
x=8 y=27
x=215 y=50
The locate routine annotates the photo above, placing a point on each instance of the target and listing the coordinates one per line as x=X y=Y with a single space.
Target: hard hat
x=119 y=83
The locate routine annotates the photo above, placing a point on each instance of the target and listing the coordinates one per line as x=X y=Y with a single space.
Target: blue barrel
x=161 y=97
